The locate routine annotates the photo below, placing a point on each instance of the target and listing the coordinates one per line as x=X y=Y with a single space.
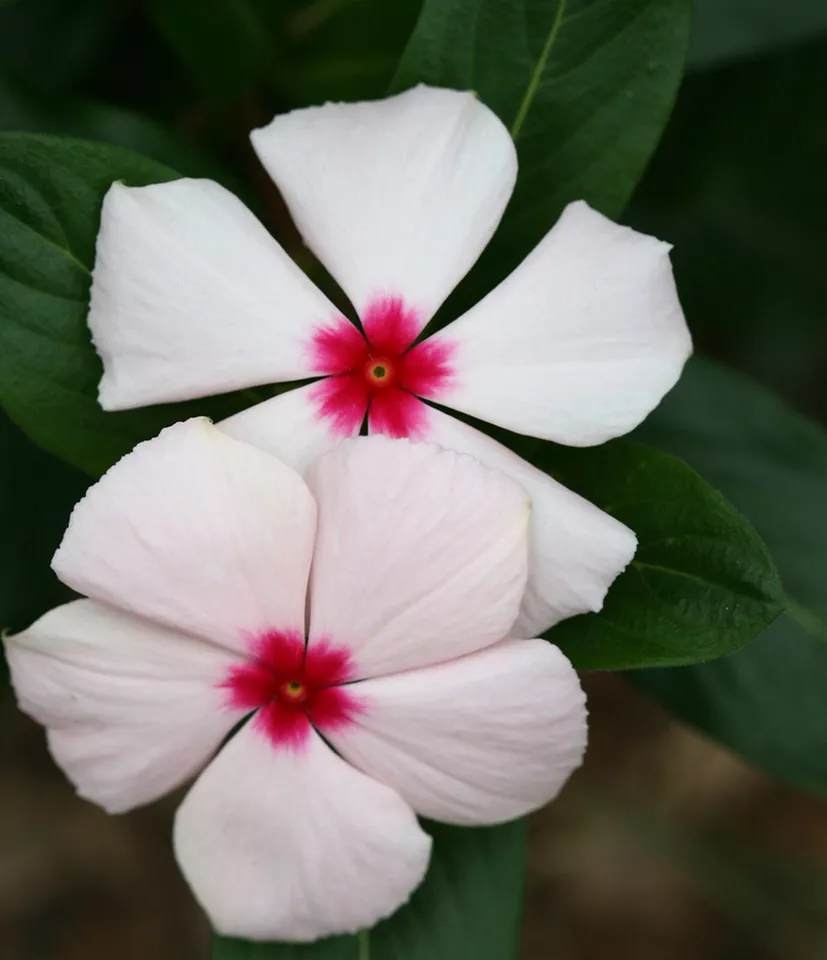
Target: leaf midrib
x=537 y=73
x=542 y=62
x=65 y=251
x=806 y=618
x=756 y=597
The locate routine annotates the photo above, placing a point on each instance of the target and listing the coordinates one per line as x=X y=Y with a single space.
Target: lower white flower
x=377 y=675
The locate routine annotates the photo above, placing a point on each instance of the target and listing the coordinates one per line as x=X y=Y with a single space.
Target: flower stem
x=364 y=945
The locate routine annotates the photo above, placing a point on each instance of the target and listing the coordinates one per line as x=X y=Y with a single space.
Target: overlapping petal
x=420 y=562
x=289 y=426
x=575 y=549
x=197 y=531
x=580 y=343
x=132 y=709
x=192 y=296
x=481 y=739
x=396 y=196
x=295 y=844
x=420 y=553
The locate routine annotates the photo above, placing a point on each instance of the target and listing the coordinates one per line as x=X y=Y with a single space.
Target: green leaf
x=701 y=584
x=51 y=192
x=468 y=907
x=584 y=87
x=728 y=29
x=766 y=701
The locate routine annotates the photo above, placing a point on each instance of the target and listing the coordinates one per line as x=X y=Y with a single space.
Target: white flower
x=195 y=551
x=191 y=296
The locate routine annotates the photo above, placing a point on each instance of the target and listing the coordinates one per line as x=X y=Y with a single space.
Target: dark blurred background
x=665 y=845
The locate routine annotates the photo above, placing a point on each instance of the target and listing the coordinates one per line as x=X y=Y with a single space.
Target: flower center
x=294 y=691
x=379 y=372
x=292 y=686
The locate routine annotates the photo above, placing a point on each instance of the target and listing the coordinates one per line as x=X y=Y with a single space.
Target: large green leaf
x=726 y=29
x=701 y=584
x=766 y=701
x=584 y=86
x=468 y=908
x=51 y=191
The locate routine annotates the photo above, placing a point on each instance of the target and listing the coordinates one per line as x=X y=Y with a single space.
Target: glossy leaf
x=701 y=584
x=51 y=191
x=766 y=701
x=585 y=89
x=468 y=907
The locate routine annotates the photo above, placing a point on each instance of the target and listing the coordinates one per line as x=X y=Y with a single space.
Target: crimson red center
x=292 y=686
x=380 y=373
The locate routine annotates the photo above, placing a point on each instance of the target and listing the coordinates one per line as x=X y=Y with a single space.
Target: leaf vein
x=537 y=73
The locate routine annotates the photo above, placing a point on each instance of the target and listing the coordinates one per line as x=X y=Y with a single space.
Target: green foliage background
x=724 y=484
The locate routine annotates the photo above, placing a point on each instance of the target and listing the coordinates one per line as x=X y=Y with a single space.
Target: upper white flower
x=191 y=296
x=196 y=552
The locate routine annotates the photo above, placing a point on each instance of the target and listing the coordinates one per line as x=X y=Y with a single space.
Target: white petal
x=397 y=196
x=289 y=426
x=575 y=549
x=295 y=844
x=132 y=709
x=197 y=531
x=192 y=296
x=580 y=343
x=482 y=739
x=420 y=553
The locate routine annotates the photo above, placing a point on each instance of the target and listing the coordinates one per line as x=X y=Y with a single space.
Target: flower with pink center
x=397 y=198
x=379 y=373
x=327 y=658
x=293 y=687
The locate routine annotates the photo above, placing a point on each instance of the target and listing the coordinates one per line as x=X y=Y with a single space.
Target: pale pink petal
x=197 y=531
x=396 y=197
x=482 y=739
x=420 y=553
x=575 y=549
x=579 y=343
x=192 y=296
x=289 y=426
x=281 y=844
x=132 y=709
